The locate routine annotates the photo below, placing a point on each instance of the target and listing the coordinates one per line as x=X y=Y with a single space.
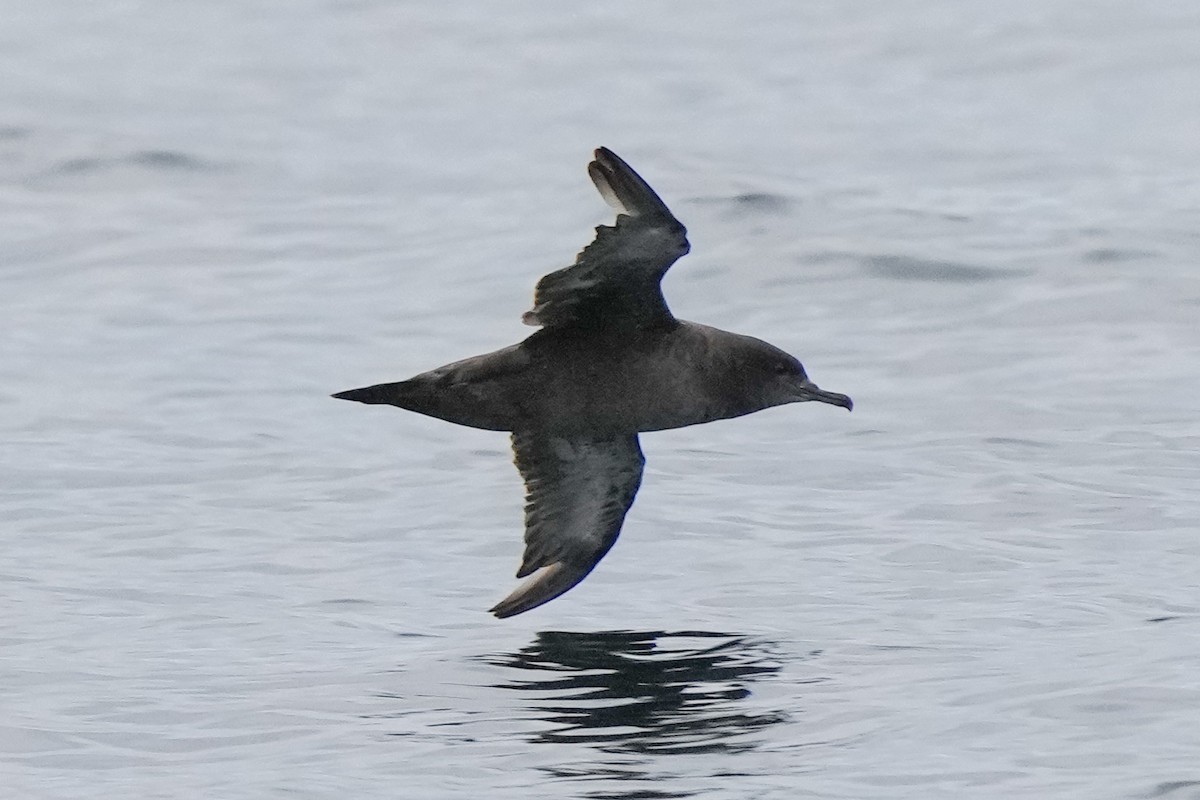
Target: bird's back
x=631 y=381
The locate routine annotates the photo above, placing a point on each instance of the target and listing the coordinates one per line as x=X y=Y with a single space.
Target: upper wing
x=576 y=494
x=615 y=280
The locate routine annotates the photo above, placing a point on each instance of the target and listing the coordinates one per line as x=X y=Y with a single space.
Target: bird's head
x=780 y=378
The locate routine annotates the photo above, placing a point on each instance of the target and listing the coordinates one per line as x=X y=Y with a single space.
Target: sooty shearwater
x=609 y=362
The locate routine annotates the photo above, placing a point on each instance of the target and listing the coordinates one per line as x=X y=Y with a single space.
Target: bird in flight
x=610 y=361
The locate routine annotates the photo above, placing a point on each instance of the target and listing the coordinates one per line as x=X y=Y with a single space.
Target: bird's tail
x=391 y=394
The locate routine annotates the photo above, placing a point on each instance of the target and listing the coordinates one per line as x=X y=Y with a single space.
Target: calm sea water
x=978 y=219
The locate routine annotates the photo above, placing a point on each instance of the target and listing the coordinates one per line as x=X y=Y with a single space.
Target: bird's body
x=609 y=362
x=590 y=382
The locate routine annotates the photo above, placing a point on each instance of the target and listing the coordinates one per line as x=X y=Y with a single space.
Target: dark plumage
x=609 y=362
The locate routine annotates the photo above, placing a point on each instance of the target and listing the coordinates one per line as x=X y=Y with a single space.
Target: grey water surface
x=981 y=220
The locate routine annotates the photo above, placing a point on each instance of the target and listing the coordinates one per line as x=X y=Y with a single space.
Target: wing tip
x=623 y=188
x=601 y=178
x=545 y=584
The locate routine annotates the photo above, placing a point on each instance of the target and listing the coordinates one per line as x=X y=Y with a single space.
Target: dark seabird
x=609 y=362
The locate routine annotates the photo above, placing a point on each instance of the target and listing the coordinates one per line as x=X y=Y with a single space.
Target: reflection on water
x=645 y=692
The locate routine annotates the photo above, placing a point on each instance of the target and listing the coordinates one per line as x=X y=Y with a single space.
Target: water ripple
x=645 y=692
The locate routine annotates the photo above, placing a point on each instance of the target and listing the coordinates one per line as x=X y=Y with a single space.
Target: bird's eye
x=782 y=368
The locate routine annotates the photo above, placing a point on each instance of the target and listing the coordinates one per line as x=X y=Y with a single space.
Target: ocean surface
x=980 y=220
